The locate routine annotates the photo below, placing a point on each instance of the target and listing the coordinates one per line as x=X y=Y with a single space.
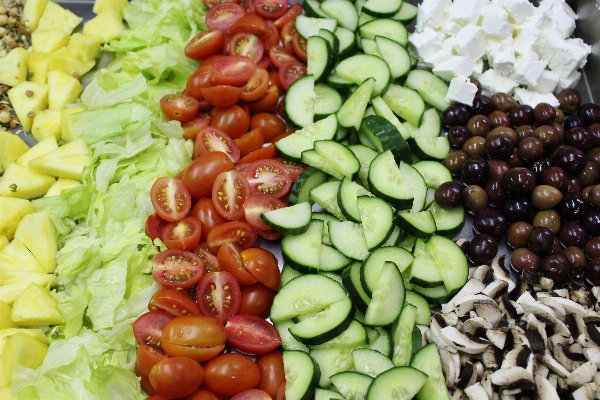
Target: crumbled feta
x=426 y=43
x=518 y=9
x=527 y=40
x=454 y=67
x=528 y=69
x=461 y=90
x=550 y=44
x=470 y=42
x=546 y=83
x=569 y=81
x=568 y=56
x=504 y=61
x=439 y=57
x=524 y=96
x=465 y=11
x=450 y=27
x=493 y=82
x=495 y=21
x=431 y=13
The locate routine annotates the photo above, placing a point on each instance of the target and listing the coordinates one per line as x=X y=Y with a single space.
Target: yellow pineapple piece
x=5 y=321
x=48 y=41
x=11 y=148
x=10 y=276
x=32 y=12
x=8 y=293
x=19 y=349
x=57 y=17
x=108 y=25
x=84 y=47
x=35 y=306
x=3 y=241
x=39 y=149
x=62 y=60
x=45 y=124
x=68 y=134
x=63 y=89
x=28 y=98
x=7 y=394
x=37 y=67
x=13 y=67
x=23 y=183
x=16 y=256
x=60 y=185
x=115 y=5
x=67 y=161
x=36 y=333
x=39 y=235
x=12 y=212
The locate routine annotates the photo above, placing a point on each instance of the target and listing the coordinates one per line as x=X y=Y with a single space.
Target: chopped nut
x=29 y=93
x=31 y=114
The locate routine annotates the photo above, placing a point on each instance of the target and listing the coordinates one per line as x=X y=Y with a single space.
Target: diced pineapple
x=45 y=124
x=67 y=161
x=5 y=321
x=63 y=89
x=32 y=12
x=19 y=349
x=7 y=394
x=36 y=333
x=11 y=148
x=57 y=17
x=8 y=293
x=115 y=5
x=13 y=211
x=108 y=25
x=37 y=65
x=37 y=232
x=48 y=41
x=16 y=256
x=3 y=241
x=68 y=134
x=62 y=60
x=23 y=183
x=84 y=47
x=27 y=99
x=60 y=185
x=39 y=149
x=13 y=67
x=35 y=306
x=10 y=276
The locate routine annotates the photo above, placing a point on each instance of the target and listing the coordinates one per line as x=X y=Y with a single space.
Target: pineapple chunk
x=3 y=242
x=22 y=183
x=63 y=89
x=84 y=47
x=39 y=149
x=60 y=185
x=68 y=134
x=10 y=276
x=67 y=161
x=5 y=321
x=35 y=306
x=46 y=124
x=19 y=349
x=8 y=293
x=48 y=41
x=115 y=5
x=7 y=394
x=36 y=333
x=13 y=67
x=13 y=211
x=32 y=12
x=57 y=17
x=11 y=148
x=39 y=235
x=16 y=256
x=62 y=60
x=37 y=65
x=26 y=106
x=108 y=25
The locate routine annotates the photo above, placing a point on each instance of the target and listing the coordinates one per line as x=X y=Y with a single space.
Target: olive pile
x=530 y=175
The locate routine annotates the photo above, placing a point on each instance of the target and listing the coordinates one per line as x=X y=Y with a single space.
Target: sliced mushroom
x=545 y=390
x=541 y=311
x=536 y=334
x=497 y=338
x=540 y=368
x=450 y=366
x=495 y=289
x=516 y=337
x=463 y=342
x=589 y=391
x=567 y=359
x=513 y=378
x=465 y=304
x=592 y=354
x=558 y=309
x=564 y=293
x=476 y=392
x=593 y=333
x=489 y=311
x=468 y=375
x=517 y=357
x=570 y=306
x=526 y=297
x=456 y=394
x=492 y=358
x=484 y=273
x=437 y=322
x=486 y=382
x=472 y=287
x=582 y=295
x=508 y=307
x=582 y=375
x=557 y=339
x=477 y=326
x=554 y=365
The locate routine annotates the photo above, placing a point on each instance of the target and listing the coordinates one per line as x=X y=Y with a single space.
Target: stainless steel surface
x=588 y=28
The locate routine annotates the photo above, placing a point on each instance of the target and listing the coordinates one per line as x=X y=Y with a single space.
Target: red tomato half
x=251 y=334
x=211 y=3
x=205 y=44
x=179 y=107
x=231 y=373
x=174 y=302
x=266 y=103
x=191 y=128
x=177 y=269
x=287 y=34
x=253 y=140
x=148 y=327
x=280 y=55
x=232 y=70
x=170 y=198
x=251 y=23
x=147 y=357
x=218 y=295
x=270 y=124
x=294 y=169
x=263 y=265
x=290 y=15
x=252 y=394
x=200 y=175
x=198 y=337
x=222 y=16
x=202 y=394
x=257 y=299
x=212 y=139
x=299 y=45
x=268 y=177
x=206 y=212
x=272 y=373
x=154 y=226
x=247 y=45
x=183 y=234
x=272 y=38
x=231 y=261
x=237 y=232
x=233 y=120
x=264 y=153
x=258 y=203
x=221 y=95
x=230 y=190
x=176 y=377
x=271 y=9
x=211 y=262
x=256 y=86
x=199 y=79
x=289 y=72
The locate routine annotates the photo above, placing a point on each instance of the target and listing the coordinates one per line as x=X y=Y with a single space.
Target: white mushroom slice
x=467 y=303
x=565 y=358
x=462 y=342
x=496 y=288
x=536 y=334
x=491 y=358
x=557 y=339
x=593 y=355
x=435 y=337
x=450 y=366
x=501 y=273
x=553 y=379
x=564 y=293
x=517 y=307
x=544 y=388
x=541 y=369
x=561 y=328
x=526 y=297
x=483 y=272
x=476 y=392
x=591 y=316
x=509 y=392
x=480 y=370
x=541 y=311
x=518 y=337
x=544 y=284
x=457 y=394
x=582 y=374
x=490 y=312
x=588 y=391
x=486 y=382
x=570 y=306
x=517 y=357
x=531 y=364
x=554 y=365
x=497 y=338
x=472 y=325
x=582 y=295
x=596 y=378
x=512 y=378
x=558 y=309
x=473 y=286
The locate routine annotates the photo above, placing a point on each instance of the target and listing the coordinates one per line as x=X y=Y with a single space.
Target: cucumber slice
x=343 y=161
x=405 y=102
x=420 y=225
x=433 y=295
x=450 y=260
x=327 y=101
x=325 y=195
x=309 y=26
x=401 y=383
x=326 y=217
x=433 y=172
x=348 y=237
x=448 y=222
x=331 y=362
x=353 y=110
x=320 y=58
x=382 y=8
x=354 y=336
x=360 y=67
x=376 y=216
x=348 y=43
x=402 y=335
x=289 y=342
x=431 y=87
x=386 y=27
x=291 y=220
x=332 y=260
x=352 y=385
x=388 y=297
x=326 y=394
x=382 y=109
x=395 y=55
x=312 y=8
x=371 y=362
x=308 y=179
x=373 y=265
x=423 y=309
x=385 y=136
x=423 y=271
x=382 y=342
x=299 y=106
x=407 y=12
x=288 y=273
x=348 y=199
x=343 y=11
x=302 y=252
x=428 y=361
x=326 y=324
x=365 y=155
x=301 y=375
x=431 y=125
x=292 y=146
x=430 y=148
x=352 y=283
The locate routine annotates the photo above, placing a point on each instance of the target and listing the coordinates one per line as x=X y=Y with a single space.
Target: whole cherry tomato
x=200 y=175
x=231 y=373
x=176 y=377
x=272 y=374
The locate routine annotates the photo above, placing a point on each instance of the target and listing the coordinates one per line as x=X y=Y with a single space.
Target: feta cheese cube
x=568 y=56
x=438 y=58
x=426 y=43
x=569 y=81
x=550 y=44
x=493 y=82
x=495 y=21
x=528 y=69
x=546 y=83
x=465 y=11
x=454 y=67
x=461 y=90
x=504 y=61
x=470 y=42
x=561 y=15
x=450 y=27
x=431 y=14
x=527 y=40
x=518 y=9
x=478 y=70
x=524 y=96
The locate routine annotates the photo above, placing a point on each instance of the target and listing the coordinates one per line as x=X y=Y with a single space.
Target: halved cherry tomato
x=176 y=377
x=268 y=176
x=289 y=72
x=229 y=193
x=264 y=62
x=179 y=107
x=269 y=235
x=299 y=45
x=199 y=337
x=145 y=384
x=256 y=86
x=221 y=95
x=263 y=265
x=205 y=211
x=264 y=153
x=251 y=23
x=170 y=198
x=251 y=334
x=154 y=226
x=274 y=80
x=199 y=79
x=211 y=3
x=232 y=70
x=257 y=299
x=272 y=38
x=272 y=373
x=232 y=120
x=212 y=139
x=281 y=106
x=177 y=269
x=271 y=9
x=222 y=16
x=240 y=233
x=258 y=203
x=241 y=167
x=218 y=296
x=204 y=44
x=252 y=394
x=200 y=175
x=147 y=357
x=191 y=128
x=287 y=35
x=279 y=55
x=231 y=261
x=211 y=263
x=247 y=45
x=290 y=15
x=183 y=234
x=202 y=394
x=270 y=124
x=267 y=102
x=292 y=168
x=229 y=374
x=156 y=396
x=253 y=140
x=174 y=302
x=148 y=327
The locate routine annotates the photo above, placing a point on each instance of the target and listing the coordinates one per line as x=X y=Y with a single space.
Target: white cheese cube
x=450 y=27
x=550 y=44
x=478 y=70
x=546 y=83
x=587 y=48
x=465 y=11
x=561 y=15
x=528 y=69
x=454 y=67
x=495 y=21
x=568 y=56
x=569 y=81
x=461 y=90
x=438 y=58
x=518 y=9
x=540 y=19
x=470 y=42
x=431 y=14
x=426 y=43
x=524 y=96
x=527 y=40
x=493 y=82
x=504 y=61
